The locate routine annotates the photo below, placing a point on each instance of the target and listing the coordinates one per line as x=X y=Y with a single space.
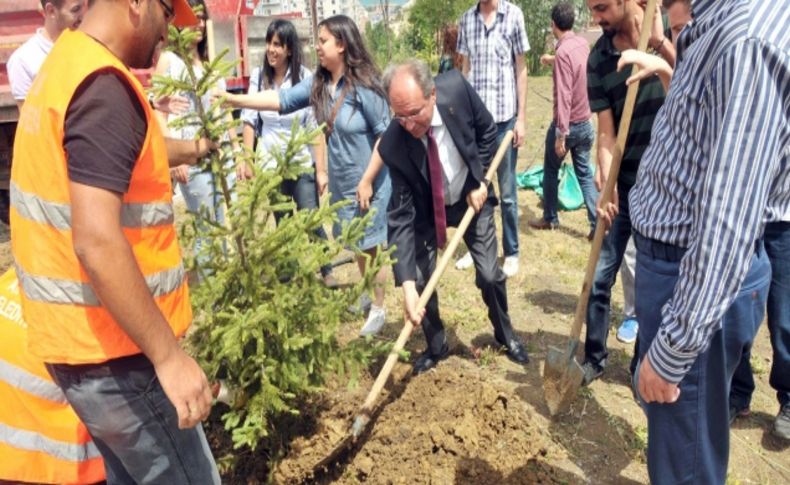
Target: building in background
x=324 y=8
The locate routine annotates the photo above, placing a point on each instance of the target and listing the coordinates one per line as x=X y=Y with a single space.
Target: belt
x=669 y=252
x=658 y=249
x=107 y=368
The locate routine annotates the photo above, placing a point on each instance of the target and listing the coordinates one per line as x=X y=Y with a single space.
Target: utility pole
x=384 y=5
x=314 y=20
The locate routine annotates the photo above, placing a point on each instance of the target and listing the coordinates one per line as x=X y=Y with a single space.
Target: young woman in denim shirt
x=346 y=94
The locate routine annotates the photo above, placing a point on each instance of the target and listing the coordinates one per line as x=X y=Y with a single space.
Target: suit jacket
x=410 y=212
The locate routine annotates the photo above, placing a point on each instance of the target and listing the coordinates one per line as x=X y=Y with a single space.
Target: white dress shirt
x=454 y=170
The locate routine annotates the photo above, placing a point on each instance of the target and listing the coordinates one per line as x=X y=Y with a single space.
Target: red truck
x=244 y=35
x=19 y=20
x=234 y=27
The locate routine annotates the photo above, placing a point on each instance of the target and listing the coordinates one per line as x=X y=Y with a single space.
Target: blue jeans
x=508 y=195
x=579 y=143
x=599 y=305
x=133 y=423
x=200 y=192
x=305 y=195
x=688 y=441
x=777 y=246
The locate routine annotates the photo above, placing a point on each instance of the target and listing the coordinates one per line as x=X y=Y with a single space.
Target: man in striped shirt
x=716 y=171
x=492 y=41
x=606 y=89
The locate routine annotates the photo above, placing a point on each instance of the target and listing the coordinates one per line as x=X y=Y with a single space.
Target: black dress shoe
x=427 y=361
x=516 y=352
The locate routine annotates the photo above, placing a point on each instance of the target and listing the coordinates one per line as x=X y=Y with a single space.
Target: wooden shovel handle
x=447 y=256
x=614 y=171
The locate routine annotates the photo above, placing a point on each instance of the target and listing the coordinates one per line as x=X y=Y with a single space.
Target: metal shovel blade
x=562 y=377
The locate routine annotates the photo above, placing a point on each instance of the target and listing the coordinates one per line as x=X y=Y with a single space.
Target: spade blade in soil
x=337 y=452
x=562 y=377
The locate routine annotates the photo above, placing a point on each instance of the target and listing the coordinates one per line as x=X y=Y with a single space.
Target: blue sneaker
x=627 y=331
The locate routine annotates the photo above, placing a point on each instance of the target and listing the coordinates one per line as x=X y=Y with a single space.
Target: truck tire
x=5 y=204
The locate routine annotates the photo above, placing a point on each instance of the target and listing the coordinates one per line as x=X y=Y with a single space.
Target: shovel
x=363 y=416
x=562 y=375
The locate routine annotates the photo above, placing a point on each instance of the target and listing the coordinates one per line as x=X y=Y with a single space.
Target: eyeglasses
x=170 y=13
x=406 y=118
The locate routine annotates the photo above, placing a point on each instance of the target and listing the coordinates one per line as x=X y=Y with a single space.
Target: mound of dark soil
x=446 y=426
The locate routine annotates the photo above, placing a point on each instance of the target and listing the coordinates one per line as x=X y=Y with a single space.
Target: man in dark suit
x=437 y=148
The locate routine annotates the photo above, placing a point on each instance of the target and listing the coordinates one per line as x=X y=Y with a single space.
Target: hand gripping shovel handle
x=562 y=375
x=363 y=416
x=614 y=171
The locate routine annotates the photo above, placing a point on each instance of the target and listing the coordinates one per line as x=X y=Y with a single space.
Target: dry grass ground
x=603 y=438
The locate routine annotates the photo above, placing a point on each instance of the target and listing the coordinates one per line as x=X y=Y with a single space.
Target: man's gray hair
x=418 y=70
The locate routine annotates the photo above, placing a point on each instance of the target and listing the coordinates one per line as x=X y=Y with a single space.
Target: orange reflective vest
x=41 y=439
x=67 y=322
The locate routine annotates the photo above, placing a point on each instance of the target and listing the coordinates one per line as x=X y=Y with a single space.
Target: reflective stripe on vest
x=30 y=383
x=30 y=441
x=69 y=292
x=58 y=215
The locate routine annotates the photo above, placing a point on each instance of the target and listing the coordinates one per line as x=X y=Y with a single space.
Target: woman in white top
x=282 y=68
x=196 y=182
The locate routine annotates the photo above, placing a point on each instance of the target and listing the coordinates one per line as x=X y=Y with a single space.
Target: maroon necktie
x=437 y=190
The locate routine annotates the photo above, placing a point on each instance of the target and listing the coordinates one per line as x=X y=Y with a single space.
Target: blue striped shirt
x=716 y=170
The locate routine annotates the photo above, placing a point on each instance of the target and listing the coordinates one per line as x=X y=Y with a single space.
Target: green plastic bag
x=531 y=179
x=569 y=195
x=569 y=192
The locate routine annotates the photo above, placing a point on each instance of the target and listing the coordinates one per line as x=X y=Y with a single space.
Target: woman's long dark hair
x=360 y=68
x=202 y=47
x=286 y=32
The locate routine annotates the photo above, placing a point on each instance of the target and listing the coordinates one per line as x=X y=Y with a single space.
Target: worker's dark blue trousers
x=688 y=441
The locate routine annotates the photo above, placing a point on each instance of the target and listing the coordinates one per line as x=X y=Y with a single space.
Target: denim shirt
x=275 y=128
x=361 y=120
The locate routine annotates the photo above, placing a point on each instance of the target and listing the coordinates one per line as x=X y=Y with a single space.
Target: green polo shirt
x=606 y=89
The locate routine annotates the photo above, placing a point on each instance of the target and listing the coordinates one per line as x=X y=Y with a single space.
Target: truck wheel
x=5 y=204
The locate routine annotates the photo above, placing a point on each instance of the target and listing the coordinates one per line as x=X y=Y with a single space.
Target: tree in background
x=383 y=41
x=378 y=37
x=426 y=18
x=384 y=5
x=537 y=19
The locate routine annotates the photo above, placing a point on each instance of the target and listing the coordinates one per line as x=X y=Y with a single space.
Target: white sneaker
x=376 y=319
x=465 y=262
x=510 y=268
